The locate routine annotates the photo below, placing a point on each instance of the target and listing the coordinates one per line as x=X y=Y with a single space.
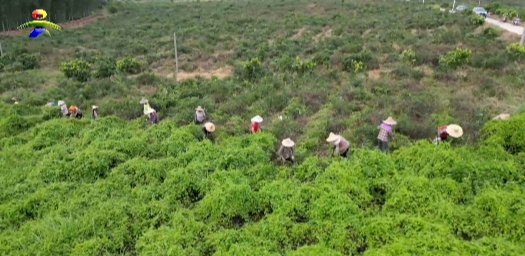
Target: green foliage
x=77 y=69
x=111 y=187
x=296 y=65
x=516 y=51
x=455 y=58
x=130 y=65
x=252 y=70
x=106 y=67
x=408 y=56
x=19 y=62
x=477 y=20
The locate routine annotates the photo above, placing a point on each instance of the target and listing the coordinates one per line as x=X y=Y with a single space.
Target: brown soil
x=219 y=73
x=71 y=24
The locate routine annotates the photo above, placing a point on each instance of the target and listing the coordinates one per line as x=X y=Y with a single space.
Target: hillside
x=119 y=186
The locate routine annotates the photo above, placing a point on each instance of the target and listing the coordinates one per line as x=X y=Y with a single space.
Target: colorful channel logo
x=39 y=24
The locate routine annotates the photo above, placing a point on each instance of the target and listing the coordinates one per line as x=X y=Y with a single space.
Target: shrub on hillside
x=477 y=20
x=516 y=51
x=408 y=57
x=251 y=70
x=129 y=65
x=105 y=67
x=506 y=133
x=296 y=65
x=19 y=62
x=455 y=58
x=77 y=69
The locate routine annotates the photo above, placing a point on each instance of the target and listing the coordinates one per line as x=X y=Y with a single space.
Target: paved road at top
x=507 y=26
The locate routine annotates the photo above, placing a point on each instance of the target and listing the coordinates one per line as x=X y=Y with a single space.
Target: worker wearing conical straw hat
x=286 y=151
x=385 y=132
x=208 y=128
x=255 y=124
x=446 y=131
x=94 y=112
x=341 y=145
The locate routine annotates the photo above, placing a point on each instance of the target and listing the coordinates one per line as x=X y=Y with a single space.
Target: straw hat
x=390 y=121
x=150 y=110
x=94 y=107
x=143 y=101
x=257 y=119
x=333 y=137
x=454 y=130
x=199 y=108
x=502 y=117
x=14 y=99
x=288 y=143
x=210 y=127
x=61 y=102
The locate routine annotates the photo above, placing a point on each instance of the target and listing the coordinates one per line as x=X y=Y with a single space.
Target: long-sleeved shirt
x=64 y=109
x=200 y=116
x=146 y=108
x=341 y=145
x=286 y=153
x=76 y=112
x=384 y=134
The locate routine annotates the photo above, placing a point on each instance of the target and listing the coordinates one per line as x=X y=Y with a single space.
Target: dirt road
x=506 y=25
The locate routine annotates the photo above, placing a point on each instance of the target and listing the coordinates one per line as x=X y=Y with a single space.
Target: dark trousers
x=383 y=145
x=198 y=122
x=289 y=159
x=344 y=154
x=79 y=115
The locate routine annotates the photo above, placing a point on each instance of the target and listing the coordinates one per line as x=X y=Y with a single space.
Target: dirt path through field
x=70 y=24
x=507 y=26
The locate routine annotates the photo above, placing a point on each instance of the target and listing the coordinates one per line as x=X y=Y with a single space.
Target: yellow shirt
x=146 y=108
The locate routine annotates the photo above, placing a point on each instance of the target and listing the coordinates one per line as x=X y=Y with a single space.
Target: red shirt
x=442 y=132
x=254 y=127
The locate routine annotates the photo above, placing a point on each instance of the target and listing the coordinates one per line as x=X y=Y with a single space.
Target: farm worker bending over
x=502 y=117
x=256 y=123
x=341 y=145
x=63 y=108
x=15 y=101
x=452 y=130
x=208 y=128
x=199 y=115
x=286 y=150
x=94 y=112
x=152 y=114
x=75 y=112
x=385 y=132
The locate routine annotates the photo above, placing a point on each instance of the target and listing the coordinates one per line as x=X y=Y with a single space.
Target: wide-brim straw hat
x=14 y=99
x=390 y=121
x=210 y=127
x=288 y=143
x=61 y=102
x=94 y=107
x=454 y=130
x=150 y=110
x=143 y=101
x=502 y=117
x=257 y=119
x=333 y=137
x=199 y=108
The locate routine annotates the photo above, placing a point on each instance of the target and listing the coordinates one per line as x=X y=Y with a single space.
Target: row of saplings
x=286 y=150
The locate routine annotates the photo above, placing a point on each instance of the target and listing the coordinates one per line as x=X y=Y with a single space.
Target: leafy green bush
x=516 y=51
x=19 y=62
x=455 y=58
x=129 y=65
x=408 y=56
x=79 y=70
x=477 y=20
x=105 y=67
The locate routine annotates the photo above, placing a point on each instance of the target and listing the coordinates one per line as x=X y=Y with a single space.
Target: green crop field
x=119 y=186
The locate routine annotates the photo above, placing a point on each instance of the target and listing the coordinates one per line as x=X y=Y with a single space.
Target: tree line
x=14 y=13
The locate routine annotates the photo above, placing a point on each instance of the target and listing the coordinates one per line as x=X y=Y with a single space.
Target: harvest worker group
x=286 y=149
